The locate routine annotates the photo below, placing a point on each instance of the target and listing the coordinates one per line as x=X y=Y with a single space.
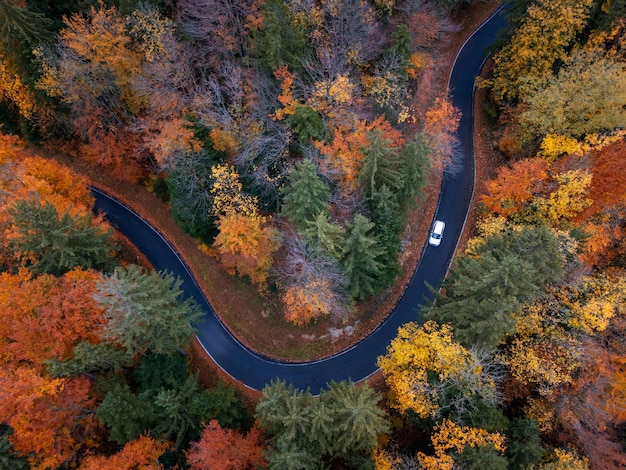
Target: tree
x=279 y=39
x=329 y=236
x=190 y=183
x=219 y=31
x=342 y=158
x=389 y=223
x=568 y=200
x=49 y=243
x=379 y=166
x=414 y=164
x=360 y=263
x=225 y=449
x=43 y=318
x=313 y=283
x=302 y=429
x=88 y=359
x=51 y=418
x=93 y=69
x=524 y=447
x=145 y=311
x=584 y=97
x=515 y=187
x=440 y=125
x=246 y=246
x=531 y=54
x=20 y=24
x=452 y=443
x=306 y=196
x=8 y=457
x=143 y=452
x=434 y=376
x=156 y=371
x=484 y=292
x=358 y=421
x=126 y=415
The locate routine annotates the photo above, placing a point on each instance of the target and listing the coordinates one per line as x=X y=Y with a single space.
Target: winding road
x=359 y=361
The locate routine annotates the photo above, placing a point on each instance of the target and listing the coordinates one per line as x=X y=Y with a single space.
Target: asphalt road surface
x=359 y=361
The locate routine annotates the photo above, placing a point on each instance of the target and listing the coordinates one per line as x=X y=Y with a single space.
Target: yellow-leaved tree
x=450 y=441
x=422 y=365
x=246 y=242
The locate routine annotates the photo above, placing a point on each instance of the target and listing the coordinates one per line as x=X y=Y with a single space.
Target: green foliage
x=606 y=15
x=308 y=124
x=343 y=421
x=9 y=459
x=180 y=411
x=481 y=458
x=145 y=311
x=379 y=166
x=485 y=416
x=389 y=223
x=224 y=406
x=357 y=421
x=173 y=406
x=280 y=40
x=89 y=358
x=21 y=25
x=125 y=414
x=160 y=371
x=401 y=41
x=361 y=257
x=483 y=293
x=415 y=166
x=59 y=244
x=523 y=444
x=190 y=184
x=329 y=236
x=306 y=196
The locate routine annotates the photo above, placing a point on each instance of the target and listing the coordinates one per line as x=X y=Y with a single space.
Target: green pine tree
x=125 y=414
x=330 y=237
x=146 y=312
x=415 y=166
x=89 y=359
x=484 y=293
x=360 y=261
x=59 y=243
x=380 y=165
x=358 y=419
x=306 y=196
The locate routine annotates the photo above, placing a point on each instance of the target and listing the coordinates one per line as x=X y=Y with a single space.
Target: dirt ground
x=256 y=320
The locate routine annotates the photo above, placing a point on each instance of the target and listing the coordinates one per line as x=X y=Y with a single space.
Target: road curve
x=359 y=361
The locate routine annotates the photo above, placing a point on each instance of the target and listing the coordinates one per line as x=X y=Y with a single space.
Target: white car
x=436 y=233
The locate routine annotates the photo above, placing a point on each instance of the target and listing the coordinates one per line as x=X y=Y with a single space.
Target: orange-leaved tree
x=141 y=453
x=440 y=124
x=342 y=159
x=45 y=317
x=226 y=449
x=52 y=419
x=246 y=242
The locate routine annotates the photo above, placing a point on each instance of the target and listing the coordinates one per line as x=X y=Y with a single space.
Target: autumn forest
x=299 y=144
